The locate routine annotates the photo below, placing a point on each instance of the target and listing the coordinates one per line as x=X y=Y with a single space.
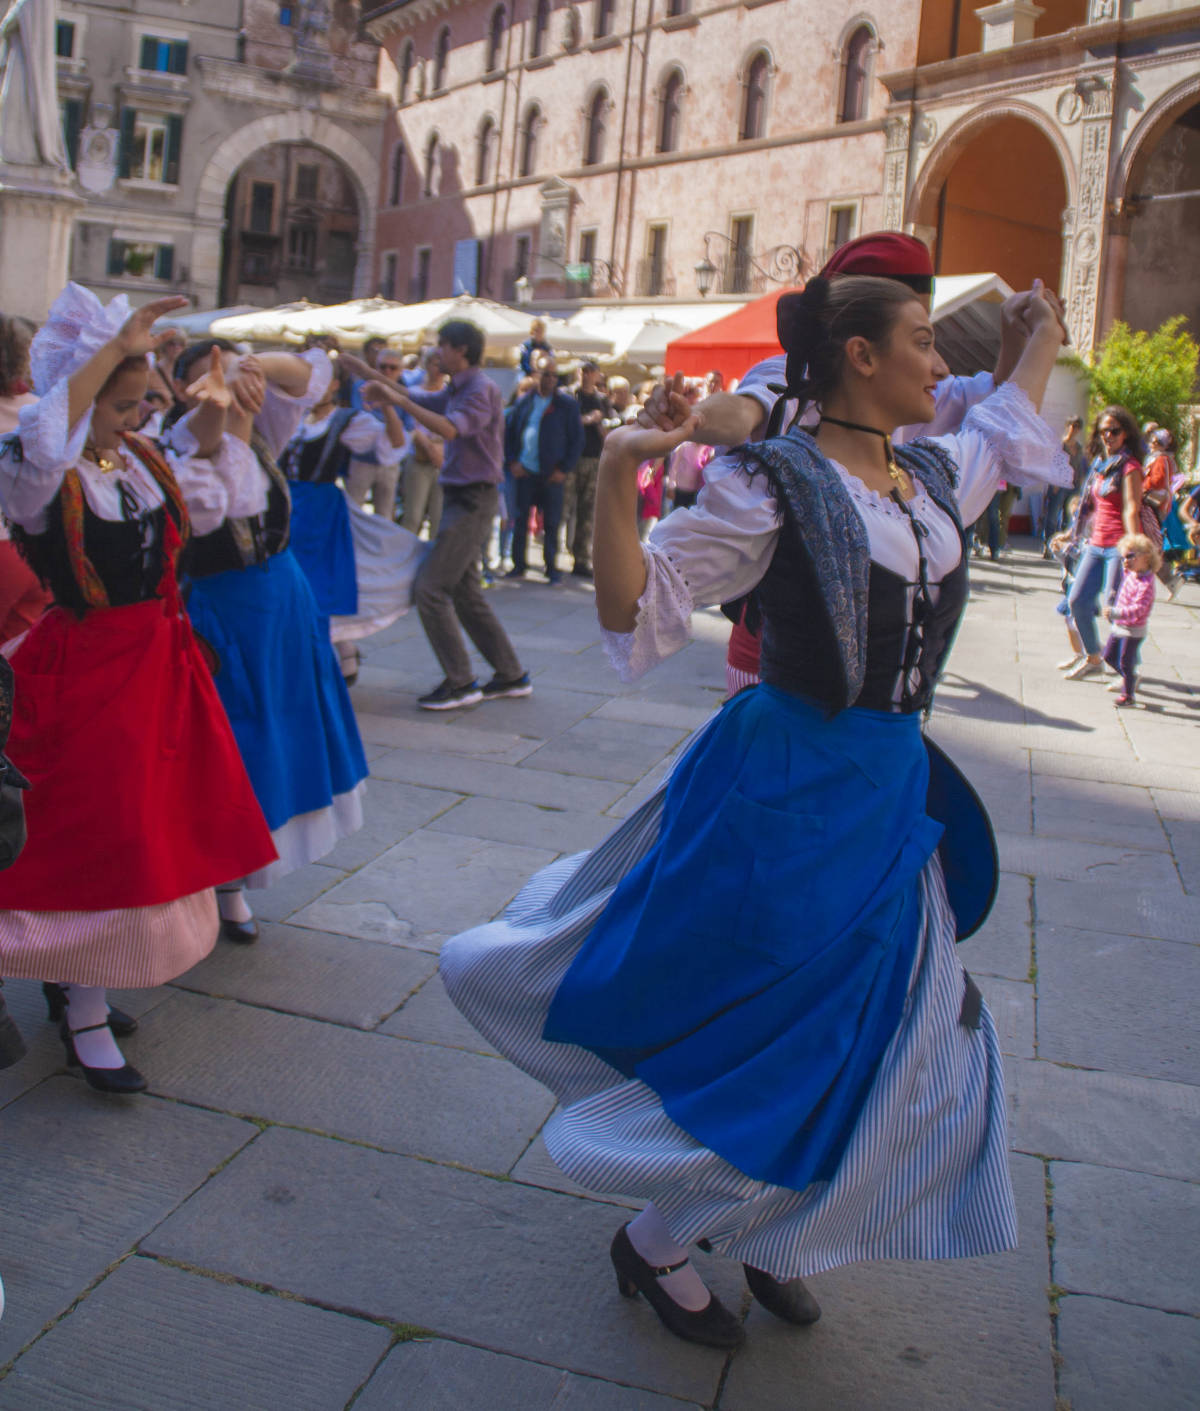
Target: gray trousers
x=448 y=590
x=421 y=495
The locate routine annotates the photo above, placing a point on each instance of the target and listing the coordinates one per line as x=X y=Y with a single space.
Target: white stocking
x=88 y=1005
x=649 y=1235
x=232 y=903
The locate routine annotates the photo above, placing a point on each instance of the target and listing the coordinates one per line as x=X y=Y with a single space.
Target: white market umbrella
x=504 y=328
x=261 y=325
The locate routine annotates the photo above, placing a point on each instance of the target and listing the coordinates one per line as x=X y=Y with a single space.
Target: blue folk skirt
x=324 y=547
x=279 y=680
x=748 y=1002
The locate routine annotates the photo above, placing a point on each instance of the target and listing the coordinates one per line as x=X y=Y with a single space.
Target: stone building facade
x=609 y=147
x=164 y=105
x=1060 y=140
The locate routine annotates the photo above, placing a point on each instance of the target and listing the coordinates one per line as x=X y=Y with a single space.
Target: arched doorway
x=292 y=222
x=995 y=201
x=1162 y=202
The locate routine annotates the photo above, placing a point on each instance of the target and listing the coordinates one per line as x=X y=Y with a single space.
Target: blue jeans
x=1097 y=571
x=1052 y=511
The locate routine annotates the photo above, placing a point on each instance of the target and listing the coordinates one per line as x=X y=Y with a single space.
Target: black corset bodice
x=127 y=555
x=241 y=543
x=321 y=459
x=907 y=636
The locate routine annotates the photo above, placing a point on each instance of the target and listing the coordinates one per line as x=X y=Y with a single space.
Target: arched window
x=441 y=56
x=406 y=70
x=754 y=101
x=672 y=107
x=856 y=62
x=496 y=39
x=604 y=18
x=431 y=156
x=396 y=176
x=597 y=121
x=529 y=136
x=541 y=23
x=483 y=151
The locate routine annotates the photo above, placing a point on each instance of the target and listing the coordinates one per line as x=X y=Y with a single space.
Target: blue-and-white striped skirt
x=924 y=1176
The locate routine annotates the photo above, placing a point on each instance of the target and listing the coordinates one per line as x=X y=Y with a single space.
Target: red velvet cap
x=886 y=253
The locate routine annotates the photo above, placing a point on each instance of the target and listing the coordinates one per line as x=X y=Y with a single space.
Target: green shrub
x=1153 y=374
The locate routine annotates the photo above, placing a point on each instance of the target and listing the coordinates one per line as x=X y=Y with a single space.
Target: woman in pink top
x=1114 y=494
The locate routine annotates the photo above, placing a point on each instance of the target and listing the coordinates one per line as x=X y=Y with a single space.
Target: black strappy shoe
x=789 y=1299
x=119 y=1022
x=104 y=1080
x=713 y=1325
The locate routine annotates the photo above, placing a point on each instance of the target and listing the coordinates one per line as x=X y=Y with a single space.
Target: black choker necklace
x=893 y=469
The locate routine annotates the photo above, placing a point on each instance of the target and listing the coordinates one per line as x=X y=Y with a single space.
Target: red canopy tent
x=732 y=344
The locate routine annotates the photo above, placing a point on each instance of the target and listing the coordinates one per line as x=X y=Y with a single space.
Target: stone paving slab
x=1004 y=945
x=1117 y=1357
x=422 y=1099
x=450 y=1376
x=542 y=716
x=1123 y=1003
x=1097 y=813
x=914 y=1337
x=606 y=749
x=637 y=711
x=430 y=1017
x=561 y=829
x=1120 y=769
x=295 y=890
x=395 y=811
x=497 y=781
x=1155 y=912
x=84 y=1177
x=1126 y=1235
x=1106 y=1119
x=1012 y=1004
x=1071 y=861
x=1184 y=836
x=154 y=1338
x=512 y=1268
x=425 y=889
x=313 y=973
x=415 y=730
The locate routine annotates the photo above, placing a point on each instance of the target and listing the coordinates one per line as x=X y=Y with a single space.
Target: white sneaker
x=1085 y=669
x=1071 y=662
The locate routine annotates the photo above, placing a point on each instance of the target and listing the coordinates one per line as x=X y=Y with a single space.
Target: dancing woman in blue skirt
x=747 y=999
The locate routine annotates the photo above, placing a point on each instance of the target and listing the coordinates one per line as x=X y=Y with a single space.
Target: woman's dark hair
x=192 y=354
x=15 y=336
x=815 y=325
x=1128 y=424
x=458 y=333
x=136 y=362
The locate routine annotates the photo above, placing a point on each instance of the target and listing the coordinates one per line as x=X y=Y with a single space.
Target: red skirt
x=139 y=793
x=22 y=597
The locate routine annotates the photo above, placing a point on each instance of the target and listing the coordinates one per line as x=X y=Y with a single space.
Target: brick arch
x=921 y=205
x=240 y=146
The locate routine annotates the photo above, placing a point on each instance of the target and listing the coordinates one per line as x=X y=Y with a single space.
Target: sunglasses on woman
x=1107 y=431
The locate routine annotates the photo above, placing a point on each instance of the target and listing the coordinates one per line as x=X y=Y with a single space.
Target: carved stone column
x=895 y=171
x=1086 y=237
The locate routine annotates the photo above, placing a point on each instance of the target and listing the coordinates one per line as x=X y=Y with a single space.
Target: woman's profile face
x=119 y=407
x=909 y=366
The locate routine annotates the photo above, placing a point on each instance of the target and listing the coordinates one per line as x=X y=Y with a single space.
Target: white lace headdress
x=77 y=326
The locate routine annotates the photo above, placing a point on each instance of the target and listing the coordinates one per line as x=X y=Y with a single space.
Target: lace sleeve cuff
x=1029 y=449
x=663 y=623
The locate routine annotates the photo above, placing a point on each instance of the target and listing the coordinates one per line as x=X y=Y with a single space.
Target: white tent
x=504 y=328
x=261 y=325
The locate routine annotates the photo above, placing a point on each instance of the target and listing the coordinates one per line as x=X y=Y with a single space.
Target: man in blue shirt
x=543 y=441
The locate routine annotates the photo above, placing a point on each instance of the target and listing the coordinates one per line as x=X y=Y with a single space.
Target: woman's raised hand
x=1044 y=310
x=211 y=389
x=666 y=407
x=135 y=336
x=644 y=443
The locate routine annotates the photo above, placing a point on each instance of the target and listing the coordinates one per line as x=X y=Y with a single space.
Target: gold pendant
x=105 y=462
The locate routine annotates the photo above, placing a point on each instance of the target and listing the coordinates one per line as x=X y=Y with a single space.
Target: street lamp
x=523 y=289
x=705 y=273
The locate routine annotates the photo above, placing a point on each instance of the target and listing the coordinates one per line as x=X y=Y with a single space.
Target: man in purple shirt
x=468 y=415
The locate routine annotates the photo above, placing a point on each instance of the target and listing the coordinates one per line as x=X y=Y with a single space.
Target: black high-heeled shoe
x=119 y=1022
x=104 y=1080
x=241 y=933
x=713 y=1325
x=789 y=1299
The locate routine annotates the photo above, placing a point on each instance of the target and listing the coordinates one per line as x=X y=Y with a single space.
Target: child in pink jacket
x=1130 y=611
